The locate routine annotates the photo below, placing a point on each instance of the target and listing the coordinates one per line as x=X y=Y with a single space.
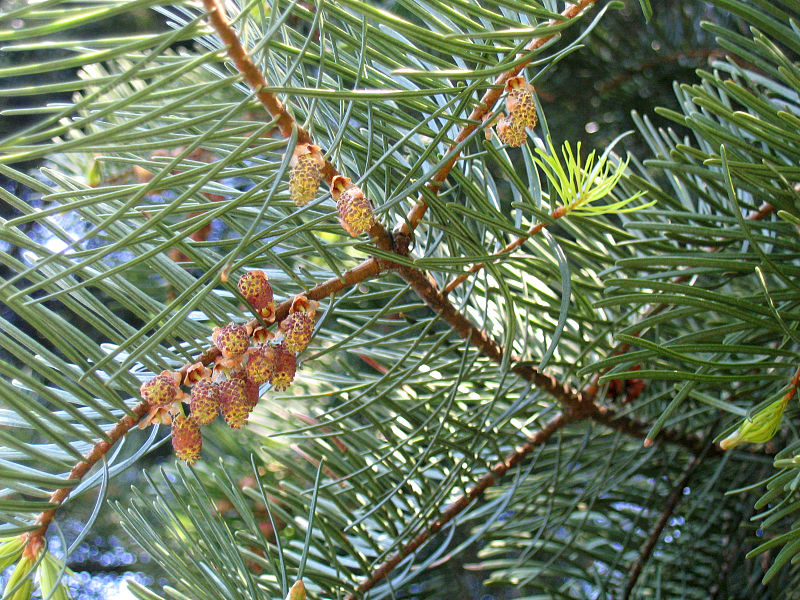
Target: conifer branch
x=574 y=403
x=448 y=514
x=556 y=214
x=577 y=406
x=368 y=268
x=483 y=108
x=669 y=508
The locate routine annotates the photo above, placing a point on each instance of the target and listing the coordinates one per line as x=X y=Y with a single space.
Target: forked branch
x=575 y=408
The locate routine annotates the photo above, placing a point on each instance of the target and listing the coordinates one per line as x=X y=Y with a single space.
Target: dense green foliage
x=154 y=137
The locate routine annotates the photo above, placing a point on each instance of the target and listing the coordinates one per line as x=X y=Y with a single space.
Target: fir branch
x=483 y=108
x=463 y=501
x=669 y=508
x=556 y=214
x=577 y=406
x=368 y=268
x=416 y=278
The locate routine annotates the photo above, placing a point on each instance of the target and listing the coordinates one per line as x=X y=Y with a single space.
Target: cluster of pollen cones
x=249 y=357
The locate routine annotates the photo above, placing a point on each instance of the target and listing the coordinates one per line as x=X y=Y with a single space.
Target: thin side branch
x=463 y=501
x=483 y=108
x=655 y=535
x=251 y=73
x=556 y=214
x=80 y=469
x=365 y=270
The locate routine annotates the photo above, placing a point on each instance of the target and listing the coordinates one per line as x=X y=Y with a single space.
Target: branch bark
x=463 y=501
x=285 y=121
x=483 y=108
x=574 y=403
x=655 y=535
x=34 y=538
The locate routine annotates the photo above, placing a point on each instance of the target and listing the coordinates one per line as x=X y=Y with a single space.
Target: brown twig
x=251 y=73
x=574 y=403
x=463 y=501
x=655 y=535
x=556 y=214
x=483 y=108
x=285 y=122
x=80 y=469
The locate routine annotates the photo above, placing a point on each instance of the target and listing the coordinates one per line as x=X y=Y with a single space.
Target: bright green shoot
x=580 y=185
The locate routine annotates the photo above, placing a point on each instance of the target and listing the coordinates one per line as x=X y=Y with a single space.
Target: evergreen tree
x=354 y=253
